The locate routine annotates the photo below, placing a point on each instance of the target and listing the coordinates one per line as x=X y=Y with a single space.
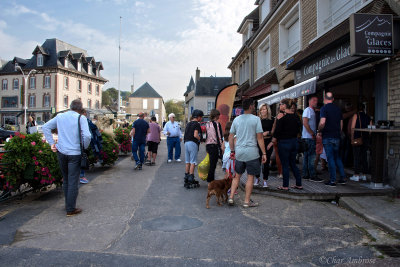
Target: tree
x=113 y=93
x=125 y=95
x=106 y=99
x=177 y=107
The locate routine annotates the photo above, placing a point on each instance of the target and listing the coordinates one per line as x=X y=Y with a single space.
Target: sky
x=162 y=41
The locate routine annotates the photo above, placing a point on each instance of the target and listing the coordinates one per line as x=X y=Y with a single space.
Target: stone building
x=296 y=48
x=63 y=72
x=146 y=99
x=201 y=92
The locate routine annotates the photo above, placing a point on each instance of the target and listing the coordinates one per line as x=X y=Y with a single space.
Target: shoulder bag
x=218 y=142
x=84 y=156
x=357 y=141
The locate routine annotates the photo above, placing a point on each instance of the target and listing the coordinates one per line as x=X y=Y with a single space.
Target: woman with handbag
x=359 y=142
x=214 y=143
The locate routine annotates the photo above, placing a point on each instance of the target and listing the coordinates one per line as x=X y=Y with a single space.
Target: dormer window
x=66 y=62
x=15 y=66
x=39 y=60
x=90 y=70
x=79 y=65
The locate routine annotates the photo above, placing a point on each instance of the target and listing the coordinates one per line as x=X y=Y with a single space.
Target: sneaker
x=230 y=202
x=256 y=181
x=251 y=204
x=74 y=212
x=178 y=160
x=342 y=181
x=316 y=179
x=330 y=184
x=83 y=180
x=138 y=166
x=265 y=185
x=355 y=178
x=306 y=178
x=170 y=160
x=363 y=177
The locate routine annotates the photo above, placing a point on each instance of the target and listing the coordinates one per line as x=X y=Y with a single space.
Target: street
x=147 y=218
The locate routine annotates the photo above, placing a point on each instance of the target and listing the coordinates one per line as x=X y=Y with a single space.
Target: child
x=227 y=152
x=192 y=139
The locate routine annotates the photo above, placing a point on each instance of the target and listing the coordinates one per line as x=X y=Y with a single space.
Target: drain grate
x=391 y=251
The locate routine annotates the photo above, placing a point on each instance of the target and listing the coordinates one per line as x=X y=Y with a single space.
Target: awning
x=304 y=88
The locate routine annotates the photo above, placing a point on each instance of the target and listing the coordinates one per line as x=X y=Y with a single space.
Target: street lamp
x=25 y=87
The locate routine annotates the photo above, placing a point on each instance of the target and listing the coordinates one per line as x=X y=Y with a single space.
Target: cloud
x=166 y=64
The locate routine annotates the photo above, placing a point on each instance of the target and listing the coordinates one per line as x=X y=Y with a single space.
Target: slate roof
x=189 y=87
x=210 y=86
x=54 y=51
x=254 y=15
x=145 y=91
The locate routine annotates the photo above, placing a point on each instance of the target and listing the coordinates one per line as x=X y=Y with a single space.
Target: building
x=313 y=46
x=201 y=92
x=63 y=73
x=146 y=99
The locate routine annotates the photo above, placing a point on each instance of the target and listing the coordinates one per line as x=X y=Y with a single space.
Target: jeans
x=212 y=151
x=309 y=158
x=70 y=168
x=331 y=146
x=82 y=174
x=360 y=159
x=174 y=142
x=287 y=153
x=135 y=147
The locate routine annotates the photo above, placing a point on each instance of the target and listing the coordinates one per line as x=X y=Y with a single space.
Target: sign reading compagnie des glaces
x=371 y=34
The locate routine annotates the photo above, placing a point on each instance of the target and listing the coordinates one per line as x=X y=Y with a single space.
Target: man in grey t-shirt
x=248 y=131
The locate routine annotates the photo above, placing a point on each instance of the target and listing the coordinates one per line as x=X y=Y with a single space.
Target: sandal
x=297 y=187
x=283 y=188
x=251 y=204
x=230 y=202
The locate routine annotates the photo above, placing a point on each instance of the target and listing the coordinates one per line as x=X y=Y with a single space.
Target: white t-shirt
x=246 y=127
x=310 y=114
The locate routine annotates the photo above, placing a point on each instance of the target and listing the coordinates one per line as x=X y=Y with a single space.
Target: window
x=246 y=33
x=66 y=61
x=46 y=100
x=210 y=106
x=289 y=34
x=79 y=65
x=97 y=89
x=89 y=88
x=65 y=82
x=5 y=84
x=156 y=103
x=144 y=103
x=39 y=59
x=79 y=86
x=244 y=71
x=332 y=12
x=89 y=103
x=66 y=101
x=47 y=81
x=90 y=70
x=32 y=101
x=32 y=83
x=263 y=58
x=265 y=9
x=15 y=84
x=97 y=104
x=9 y=101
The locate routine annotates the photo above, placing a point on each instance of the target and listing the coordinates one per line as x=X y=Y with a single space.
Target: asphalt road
x=147 y=218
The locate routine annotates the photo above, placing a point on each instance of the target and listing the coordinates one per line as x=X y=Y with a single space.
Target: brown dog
x=219 y=188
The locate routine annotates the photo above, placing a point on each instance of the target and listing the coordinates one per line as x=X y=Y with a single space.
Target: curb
x=351 y=205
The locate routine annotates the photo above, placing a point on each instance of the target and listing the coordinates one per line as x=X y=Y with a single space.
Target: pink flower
x=36 y=178
x=33 y=143
x=44 y=141
x=40 y=151
x=36 y=163
x=34 y=158
x=114 y=151
x=42 y=181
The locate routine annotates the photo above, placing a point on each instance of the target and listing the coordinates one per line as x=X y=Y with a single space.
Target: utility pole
x=119 y=67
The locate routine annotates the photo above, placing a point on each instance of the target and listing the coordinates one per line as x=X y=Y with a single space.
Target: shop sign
x=371 y=34
x=332 y=59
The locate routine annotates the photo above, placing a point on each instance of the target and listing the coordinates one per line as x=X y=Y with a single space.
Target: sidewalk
x=379 y=210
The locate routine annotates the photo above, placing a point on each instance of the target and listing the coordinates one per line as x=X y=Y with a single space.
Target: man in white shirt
x=68 y=149
x=308 y=135
x=174 y=137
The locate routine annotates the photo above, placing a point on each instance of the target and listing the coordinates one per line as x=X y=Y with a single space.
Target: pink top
x=211 y=136
x=154 y=134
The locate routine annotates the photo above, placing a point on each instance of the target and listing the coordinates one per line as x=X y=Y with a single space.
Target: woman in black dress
x=266 y=122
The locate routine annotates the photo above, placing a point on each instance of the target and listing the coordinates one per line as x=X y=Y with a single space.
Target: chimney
x=197 y=74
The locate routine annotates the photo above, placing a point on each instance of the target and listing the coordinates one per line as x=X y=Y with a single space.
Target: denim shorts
x=253 y=167
x=191 y=150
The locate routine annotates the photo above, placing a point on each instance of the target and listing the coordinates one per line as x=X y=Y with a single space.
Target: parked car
x=4 y=134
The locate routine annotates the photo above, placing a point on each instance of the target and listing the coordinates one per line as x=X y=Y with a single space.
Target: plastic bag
x=204 y=167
